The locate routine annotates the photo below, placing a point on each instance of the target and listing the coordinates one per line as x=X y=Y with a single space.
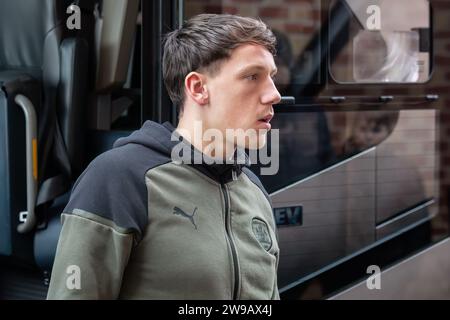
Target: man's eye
x=253 y=77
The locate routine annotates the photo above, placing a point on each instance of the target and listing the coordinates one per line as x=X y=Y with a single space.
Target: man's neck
x=194 y=132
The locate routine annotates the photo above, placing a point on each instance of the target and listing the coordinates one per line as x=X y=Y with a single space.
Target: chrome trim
x=407 y=213
x=337 y=165
x=29 y=216
x=352 y=255
x=444 y=242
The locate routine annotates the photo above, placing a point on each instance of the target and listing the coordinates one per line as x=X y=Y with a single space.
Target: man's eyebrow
x=257 y=67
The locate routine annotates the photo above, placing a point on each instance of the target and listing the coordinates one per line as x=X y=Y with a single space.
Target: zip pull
x=234 y=174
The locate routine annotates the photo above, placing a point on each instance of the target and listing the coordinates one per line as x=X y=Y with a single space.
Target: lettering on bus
x=289 y=216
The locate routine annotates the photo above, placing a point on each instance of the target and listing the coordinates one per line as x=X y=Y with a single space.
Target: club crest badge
x=262 y=234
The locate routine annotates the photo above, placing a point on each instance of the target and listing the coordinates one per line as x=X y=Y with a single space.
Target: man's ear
x=195 y=88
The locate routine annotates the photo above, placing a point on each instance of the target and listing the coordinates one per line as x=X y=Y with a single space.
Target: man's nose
x=271 y=96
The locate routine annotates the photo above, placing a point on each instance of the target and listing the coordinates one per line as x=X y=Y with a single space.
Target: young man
x=141 y=225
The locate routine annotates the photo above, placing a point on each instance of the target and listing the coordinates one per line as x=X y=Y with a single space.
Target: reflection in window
x=304 y=148
x=369 y=129
x=386 y=43
x=308 y=146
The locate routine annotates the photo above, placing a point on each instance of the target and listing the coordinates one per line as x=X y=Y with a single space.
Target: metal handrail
x=28 y=218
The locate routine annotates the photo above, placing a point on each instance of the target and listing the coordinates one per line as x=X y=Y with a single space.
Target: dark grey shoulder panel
x=253 y=178
x=113 y=186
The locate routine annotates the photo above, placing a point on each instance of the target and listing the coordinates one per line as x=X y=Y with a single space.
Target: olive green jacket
x=142 y=226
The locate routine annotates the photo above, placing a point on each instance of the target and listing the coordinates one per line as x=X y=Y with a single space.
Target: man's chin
x=256 y=143
x=251 y=139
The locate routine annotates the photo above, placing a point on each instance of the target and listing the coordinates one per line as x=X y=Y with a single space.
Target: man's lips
x=267 y=118
x=265 y=121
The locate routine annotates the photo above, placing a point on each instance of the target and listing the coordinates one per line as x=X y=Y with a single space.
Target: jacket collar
x=220 y=172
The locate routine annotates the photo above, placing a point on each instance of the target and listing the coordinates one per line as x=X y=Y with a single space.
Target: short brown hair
x=203 y=42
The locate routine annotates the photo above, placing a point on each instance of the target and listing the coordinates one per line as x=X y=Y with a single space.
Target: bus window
x=387 y=42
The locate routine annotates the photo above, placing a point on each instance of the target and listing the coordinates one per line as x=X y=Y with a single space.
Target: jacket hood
x=152 y=135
